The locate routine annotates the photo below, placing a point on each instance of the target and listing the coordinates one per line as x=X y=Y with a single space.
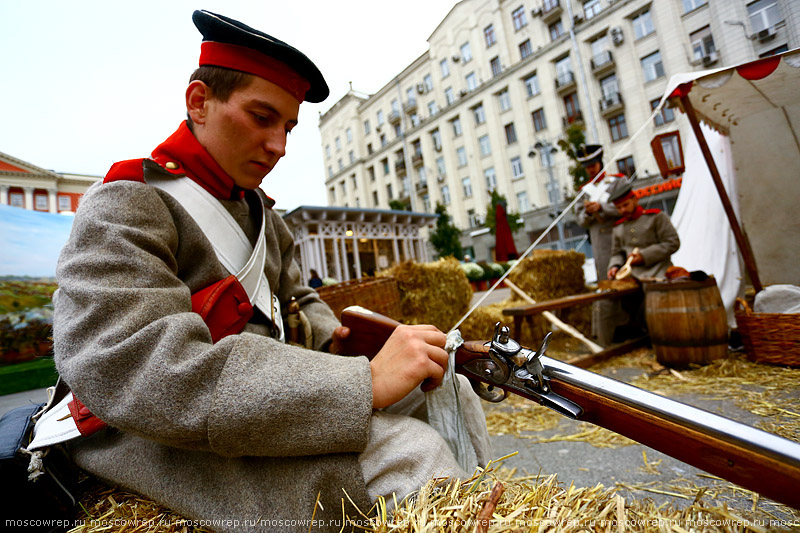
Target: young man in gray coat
x=207 y=410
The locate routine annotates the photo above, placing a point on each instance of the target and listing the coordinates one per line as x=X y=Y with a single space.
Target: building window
x=379 y=116
x=64 y=203
x=591 y=8
x=415 y=120
x=444 y=68
x=457 y=131
x=440 y=167
x=668 y=152
x=491 y=179
x=472 y=81
x=652 y=67
x=610 y=88
x=702 y=43
x=556 y=30
x=511 y=133
x=374 y=198
x=626 y=166
x=436 y=137
x=519 y=18
x=479 y=114
x=504 y=99
x=763 y=14
x=341 y=164
x=643 y=24
x=338 y=144
x=466 y=52
x=485 y=147
x=488 y=33
x=564 y=74
x=428 y=81
x=343 y=186
x=371 y=173
x=779 y=50
x=369 y=148
x=618 y=128
x=432 y=109
x=352 y=156
x=461 y=153
x=426 y=203
x=449 y=97
x=385 y=164
x=666 y=114
x=383 y=139
x=366 y=127
x=572 y=108
x=389 y=193
x=467 y=186
x=494 y=64
x=600 y=53
x=532 y=85
x=539 y=123
x=516 y=168
x=330 y=171
x=16 y=199
x=349 y=134
x=445 y=195
x=691 y=5
x=525 y=49
x=332 y=196
x=328 y=151
x=522 y=202
x=40 y=202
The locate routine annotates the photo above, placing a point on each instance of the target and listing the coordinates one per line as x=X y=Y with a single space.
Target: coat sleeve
x=130 y=347
x=666 y=242
x=607 y=212
x=618 y=255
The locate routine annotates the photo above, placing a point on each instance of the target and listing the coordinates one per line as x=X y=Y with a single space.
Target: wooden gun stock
x=756 y=460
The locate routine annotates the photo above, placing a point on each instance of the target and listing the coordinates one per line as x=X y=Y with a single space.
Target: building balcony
x=416 y=159
x=410 y=106
x=400 y=167
x=611 y=104
x=574 y=118
x=394 y=117
x=551 y=11
x=602 y=63
x=422 y=187
x=565 y=81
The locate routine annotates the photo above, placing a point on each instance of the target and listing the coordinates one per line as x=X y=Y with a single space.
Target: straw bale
x=435 y=293
x=480 y=324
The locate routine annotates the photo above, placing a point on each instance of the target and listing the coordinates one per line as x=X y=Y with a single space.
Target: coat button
x=243 y=308
x=172 y=165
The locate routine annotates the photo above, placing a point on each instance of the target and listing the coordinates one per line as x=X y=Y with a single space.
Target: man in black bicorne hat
x=598 y=215
x=172 y=339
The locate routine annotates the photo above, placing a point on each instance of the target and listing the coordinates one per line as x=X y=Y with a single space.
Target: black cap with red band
x=230 y=44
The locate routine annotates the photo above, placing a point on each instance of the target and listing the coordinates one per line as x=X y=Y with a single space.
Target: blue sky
x=30 y=241
x=91 y=82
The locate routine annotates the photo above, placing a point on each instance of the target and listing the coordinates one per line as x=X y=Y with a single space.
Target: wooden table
x=527 y=312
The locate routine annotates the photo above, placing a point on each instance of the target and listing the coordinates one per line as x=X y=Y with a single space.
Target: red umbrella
x=504 y=248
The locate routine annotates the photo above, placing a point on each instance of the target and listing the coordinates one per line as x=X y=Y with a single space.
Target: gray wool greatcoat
x=248 y=428
x=600 y=225
x=656 y=238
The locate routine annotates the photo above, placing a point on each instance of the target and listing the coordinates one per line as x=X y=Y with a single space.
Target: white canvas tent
x=756 y=106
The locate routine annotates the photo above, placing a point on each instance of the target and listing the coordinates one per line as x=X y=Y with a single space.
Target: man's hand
x=339 y=335
x=636 y=258
x=612 y=272
x=591 y=207
x=412 y=355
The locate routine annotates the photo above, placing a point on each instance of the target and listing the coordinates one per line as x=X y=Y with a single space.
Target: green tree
x=490 y=214
x=575 y=138
x=444 y=238
x=399 y=205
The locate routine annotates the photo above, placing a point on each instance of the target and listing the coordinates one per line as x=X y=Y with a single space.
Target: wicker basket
x=769 y=337
x=381 y=295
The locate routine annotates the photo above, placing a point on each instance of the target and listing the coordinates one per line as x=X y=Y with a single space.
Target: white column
x=345 y=261
x=395 y=249
x=324 y=273
x=3 y=194
x=356 y=258
x=335 y=245
x=51 y=201
x=28 y=198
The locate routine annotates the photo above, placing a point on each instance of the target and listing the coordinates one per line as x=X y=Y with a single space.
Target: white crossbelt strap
x=231 y=245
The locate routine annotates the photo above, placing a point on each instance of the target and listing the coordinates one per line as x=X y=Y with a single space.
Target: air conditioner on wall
x=767 y=34
x=710 y=59
x=420 y=88
x=456 y=58
x=617 y=37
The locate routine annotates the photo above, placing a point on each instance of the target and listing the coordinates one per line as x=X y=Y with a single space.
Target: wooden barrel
x=687 y=321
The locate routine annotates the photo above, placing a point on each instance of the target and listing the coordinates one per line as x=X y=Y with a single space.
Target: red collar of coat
x=183 y=148
x=638 y=212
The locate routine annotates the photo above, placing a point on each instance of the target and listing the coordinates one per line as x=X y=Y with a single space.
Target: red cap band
x=248 y=60
x=623 y=198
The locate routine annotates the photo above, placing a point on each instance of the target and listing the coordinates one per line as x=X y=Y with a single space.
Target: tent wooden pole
x=738 y=233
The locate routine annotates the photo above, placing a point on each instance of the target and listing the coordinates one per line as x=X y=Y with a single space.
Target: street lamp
x=547 y=150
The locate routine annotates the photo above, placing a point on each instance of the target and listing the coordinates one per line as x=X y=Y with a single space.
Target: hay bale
x=435 y=293
x=480 y=324
x=549 y=274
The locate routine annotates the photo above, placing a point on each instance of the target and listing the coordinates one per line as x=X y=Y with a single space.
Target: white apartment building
x=501 y=76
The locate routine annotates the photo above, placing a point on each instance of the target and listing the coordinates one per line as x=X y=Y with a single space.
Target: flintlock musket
x=754 y=459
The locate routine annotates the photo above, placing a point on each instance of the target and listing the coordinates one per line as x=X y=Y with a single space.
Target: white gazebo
x=346 y=242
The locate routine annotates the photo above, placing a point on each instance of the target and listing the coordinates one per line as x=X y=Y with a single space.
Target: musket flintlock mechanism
x=512 y=367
